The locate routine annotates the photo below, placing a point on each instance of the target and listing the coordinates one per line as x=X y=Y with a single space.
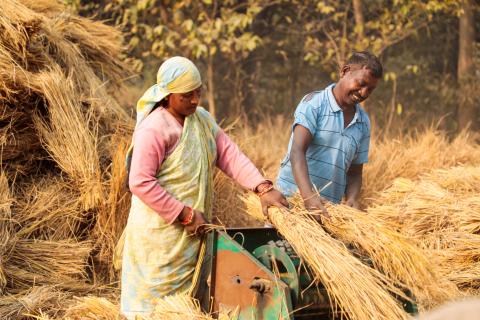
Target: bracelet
x=189 y=219
x=263 y=186
x=270 y=188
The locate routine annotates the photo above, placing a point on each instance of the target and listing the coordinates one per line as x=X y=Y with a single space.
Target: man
x=331 y=136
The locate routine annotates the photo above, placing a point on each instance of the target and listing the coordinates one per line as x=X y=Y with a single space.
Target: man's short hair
x=367 y=60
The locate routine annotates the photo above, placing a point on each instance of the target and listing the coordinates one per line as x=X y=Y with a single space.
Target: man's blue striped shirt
x=333 y=148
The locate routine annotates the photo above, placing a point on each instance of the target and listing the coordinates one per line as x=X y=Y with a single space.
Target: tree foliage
x=265 y=54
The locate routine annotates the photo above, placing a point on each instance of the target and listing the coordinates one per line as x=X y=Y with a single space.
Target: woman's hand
x=272 y=198
x=198 y=224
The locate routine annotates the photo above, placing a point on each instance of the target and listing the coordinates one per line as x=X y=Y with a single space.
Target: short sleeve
x=306 y=115
x=362 y=155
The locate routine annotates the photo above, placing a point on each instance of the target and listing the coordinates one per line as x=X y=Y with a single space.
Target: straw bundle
x=390 y=252
x=416 y=207
x=32 y=43
x=457 y=255
x=92 y=308
x=61 y=263
x=32 y=302
x=423 y=207
x=178 y=307
x=67 y=137
x=58 y=74
x=58 y=77
x=463 y=180
x=355 y=290
x=113 y=213
x=49 y=209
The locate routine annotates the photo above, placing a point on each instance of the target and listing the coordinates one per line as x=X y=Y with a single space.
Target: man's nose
x=364 y=92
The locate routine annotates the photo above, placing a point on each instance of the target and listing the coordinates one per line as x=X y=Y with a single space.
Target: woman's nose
x=195 y=97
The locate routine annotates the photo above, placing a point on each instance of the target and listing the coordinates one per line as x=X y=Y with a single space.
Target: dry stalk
x=414 y=154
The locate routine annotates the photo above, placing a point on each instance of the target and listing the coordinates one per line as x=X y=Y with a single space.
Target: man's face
x=355 y=85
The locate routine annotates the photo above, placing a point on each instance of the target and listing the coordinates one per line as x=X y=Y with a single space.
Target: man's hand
x=316 y=203
x=198 y=224
x=352 y=202
x=273 y=198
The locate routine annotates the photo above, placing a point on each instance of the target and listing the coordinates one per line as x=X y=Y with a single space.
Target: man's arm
x=301 y=140
x=354 y=185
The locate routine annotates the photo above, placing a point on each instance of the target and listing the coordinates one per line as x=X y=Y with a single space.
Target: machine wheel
x=275 y=259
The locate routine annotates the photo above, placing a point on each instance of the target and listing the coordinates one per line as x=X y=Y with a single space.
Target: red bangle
x=189 y=219
x=265 y=191
x=267 y=184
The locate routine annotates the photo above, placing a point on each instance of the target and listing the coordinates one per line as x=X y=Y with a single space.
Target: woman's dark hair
x=368 y=60
x=162 y=103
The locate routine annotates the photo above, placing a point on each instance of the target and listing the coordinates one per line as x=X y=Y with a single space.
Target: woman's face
x=184 y=104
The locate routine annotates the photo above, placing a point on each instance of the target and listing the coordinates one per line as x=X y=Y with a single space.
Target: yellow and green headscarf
x=175 y=75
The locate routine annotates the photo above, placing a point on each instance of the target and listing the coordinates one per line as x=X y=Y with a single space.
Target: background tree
x=262 y=56
x=468 y=95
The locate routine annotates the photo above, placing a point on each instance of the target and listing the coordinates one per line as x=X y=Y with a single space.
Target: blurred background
x=260 y=57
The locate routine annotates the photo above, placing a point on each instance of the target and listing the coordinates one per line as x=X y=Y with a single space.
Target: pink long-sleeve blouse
x=155 y=139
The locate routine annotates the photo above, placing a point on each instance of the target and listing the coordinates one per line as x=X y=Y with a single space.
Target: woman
x=176 y=146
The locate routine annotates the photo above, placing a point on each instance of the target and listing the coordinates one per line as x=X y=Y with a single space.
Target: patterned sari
x=159 y=259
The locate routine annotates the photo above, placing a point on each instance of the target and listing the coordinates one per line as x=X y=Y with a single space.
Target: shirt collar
x=335 y=107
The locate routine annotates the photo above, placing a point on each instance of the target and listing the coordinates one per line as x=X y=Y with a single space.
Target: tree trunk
x=360 y=30
x=359 y=20
x=466 y=108
x=211 y=86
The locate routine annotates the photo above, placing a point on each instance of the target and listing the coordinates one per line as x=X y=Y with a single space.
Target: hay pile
x=62 y=142
x=440 y=211
x=413 y=154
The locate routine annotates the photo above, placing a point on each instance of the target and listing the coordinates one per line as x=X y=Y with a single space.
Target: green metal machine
x=254 y=274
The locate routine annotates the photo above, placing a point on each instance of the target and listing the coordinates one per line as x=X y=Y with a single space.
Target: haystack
x=58 y=123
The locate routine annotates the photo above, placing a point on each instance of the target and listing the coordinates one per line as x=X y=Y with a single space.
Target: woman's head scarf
x=175 y=75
